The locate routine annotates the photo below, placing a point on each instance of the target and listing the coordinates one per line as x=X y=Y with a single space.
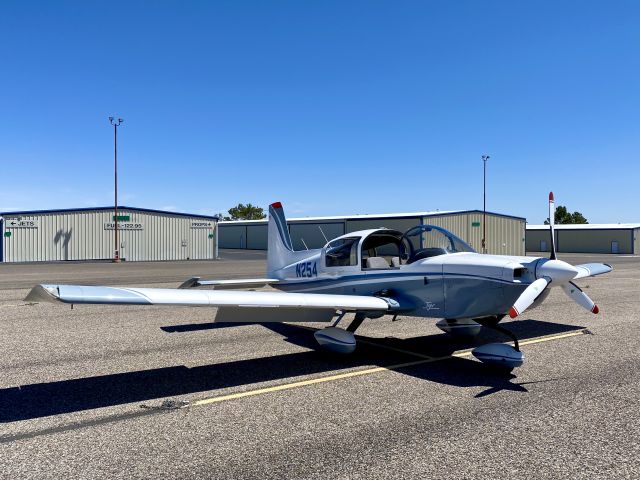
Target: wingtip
x=43 y=293
x=595 y=309
x=192 y=282
x=513 y=313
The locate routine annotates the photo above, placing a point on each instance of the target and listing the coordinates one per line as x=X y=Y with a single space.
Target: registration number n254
x=306 y=269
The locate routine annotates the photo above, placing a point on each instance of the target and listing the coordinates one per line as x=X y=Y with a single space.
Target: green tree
x=245 y=212
x=563 y=217
x=577 y=217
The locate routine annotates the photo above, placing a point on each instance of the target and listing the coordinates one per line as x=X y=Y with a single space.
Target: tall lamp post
x=484 y=204
x=116 y=124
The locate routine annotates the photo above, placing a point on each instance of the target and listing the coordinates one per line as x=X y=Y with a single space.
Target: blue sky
x=330 y=107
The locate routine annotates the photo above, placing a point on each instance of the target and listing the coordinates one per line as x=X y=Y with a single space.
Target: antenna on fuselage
x=325 y=237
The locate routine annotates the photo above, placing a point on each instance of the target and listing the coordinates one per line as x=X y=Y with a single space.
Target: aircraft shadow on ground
x=54 y=398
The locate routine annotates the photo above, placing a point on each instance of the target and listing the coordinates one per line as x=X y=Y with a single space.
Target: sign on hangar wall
x=19 y=223
x=124 y=226
x=201 y=224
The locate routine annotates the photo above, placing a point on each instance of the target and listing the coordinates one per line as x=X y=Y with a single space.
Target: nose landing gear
x=499 y=355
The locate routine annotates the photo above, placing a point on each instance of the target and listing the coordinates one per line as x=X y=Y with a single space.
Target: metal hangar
x=621 y=238
x=505 y=233
x=89 y=234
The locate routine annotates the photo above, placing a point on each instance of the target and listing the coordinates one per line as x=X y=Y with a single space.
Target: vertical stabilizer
x=280 y=253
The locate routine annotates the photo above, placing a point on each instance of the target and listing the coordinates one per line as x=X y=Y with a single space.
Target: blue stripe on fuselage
x=369 y=276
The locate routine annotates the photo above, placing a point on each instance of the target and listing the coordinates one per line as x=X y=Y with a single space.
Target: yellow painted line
x=554 y=337
x=303 y=383
x=547 y=338
x=359 y=373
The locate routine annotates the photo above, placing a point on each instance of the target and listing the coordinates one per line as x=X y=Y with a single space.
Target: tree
x=245 y=212
x=564 y=217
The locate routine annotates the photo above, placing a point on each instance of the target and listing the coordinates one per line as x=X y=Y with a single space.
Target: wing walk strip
x=368 y=371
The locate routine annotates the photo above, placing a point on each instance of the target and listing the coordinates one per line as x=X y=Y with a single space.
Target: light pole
x=116 y=124
x=484 y=205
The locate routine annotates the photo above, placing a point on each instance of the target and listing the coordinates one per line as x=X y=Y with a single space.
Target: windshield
x=425 y=241
x=342 y=252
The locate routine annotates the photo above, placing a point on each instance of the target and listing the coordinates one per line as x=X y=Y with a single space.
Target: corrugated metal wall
x=505 y=235
x=594 y=241
x=401 y=224
x=82 y=235
x=311 y=234
x=535 y=237
x=586 y=241
x=257 y=237
x=233 y=236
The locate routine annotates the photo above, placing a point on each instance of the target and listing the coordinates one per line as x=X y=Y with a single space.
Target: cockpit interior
x=392 y=249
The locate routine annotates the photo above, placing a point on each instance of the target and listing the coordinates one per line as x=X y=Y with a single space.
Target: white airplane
x=423 y=272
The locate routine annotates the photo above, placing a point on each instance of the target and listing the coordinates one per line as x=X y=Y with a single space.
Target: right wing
x=592 y=269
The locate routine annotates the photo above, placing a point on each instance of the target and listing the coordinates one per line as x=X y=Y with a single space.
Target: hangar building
x=505 y=233
x=89 y=234
x=588 y=238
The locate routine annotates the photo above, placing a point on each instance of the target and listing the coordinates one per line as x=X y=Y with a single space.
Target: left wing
x=79 y=294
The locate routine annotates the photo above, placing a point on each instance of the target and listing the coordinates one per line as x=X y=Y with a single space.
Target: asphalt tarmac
x=162 y=392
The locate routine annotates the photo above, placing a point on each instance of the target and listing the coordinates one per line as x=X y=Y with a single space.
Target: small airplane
x=426 y=271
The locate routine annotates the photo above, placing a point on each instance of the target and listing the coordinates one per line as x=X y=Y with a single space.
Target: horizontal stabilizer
x=229 y=284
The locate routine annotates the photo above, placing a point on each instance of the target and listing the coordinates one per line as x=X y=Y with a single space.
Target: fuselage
x=445 y=285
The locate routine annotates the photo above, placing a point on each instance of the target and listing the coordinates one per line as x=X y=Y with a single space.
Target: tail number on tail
x=306 y=269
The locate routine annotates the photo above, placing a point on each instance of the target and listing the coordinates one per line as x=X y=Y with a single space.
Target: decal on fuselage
x=306 y=269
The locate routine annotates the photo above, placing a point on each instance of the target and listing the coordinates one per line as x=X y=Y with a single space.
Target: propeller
x=556 y=273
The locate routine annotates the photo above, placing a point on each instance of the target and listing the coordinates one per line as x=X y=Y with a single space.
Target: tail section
x=278 y=220
x=280 y=252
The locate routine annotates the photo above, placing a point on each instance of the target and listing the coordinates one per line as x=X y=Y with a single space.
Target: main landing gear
x=338 y=340
x=500 y=355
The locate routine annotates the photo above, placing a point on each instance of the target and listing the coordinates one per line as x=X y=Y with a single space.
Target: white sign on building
x=201 y=224
x=124 y=226
x=16 y=223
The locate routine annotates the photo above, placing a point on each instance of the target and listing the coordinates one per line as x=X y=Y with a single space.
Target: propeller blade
x=527 y=297
x=576 y=294
x=552 y=221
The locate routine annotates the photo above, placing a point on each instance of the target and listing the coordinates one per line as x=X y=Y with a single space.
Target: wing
x=592 y=269
x=231 y=301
